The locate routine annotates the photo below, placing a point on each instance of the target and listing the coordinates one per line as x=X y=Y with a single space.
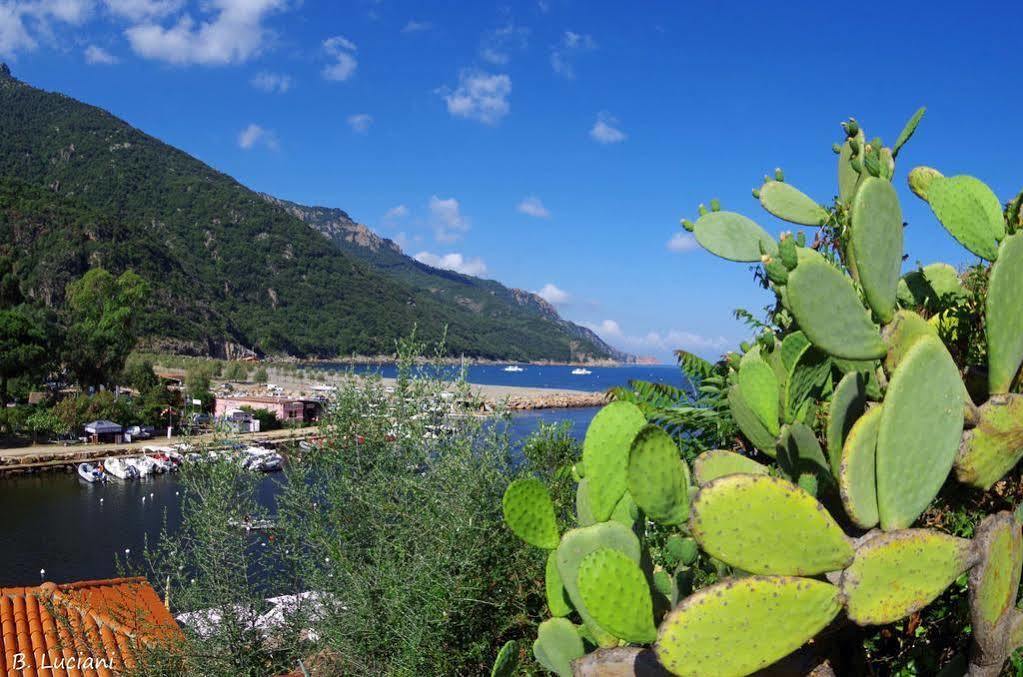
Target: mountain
x=232 y=273
x=485 y=297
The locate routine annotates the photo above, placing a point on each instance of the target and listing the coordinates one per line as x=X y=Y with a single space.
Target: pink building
x=284 y=408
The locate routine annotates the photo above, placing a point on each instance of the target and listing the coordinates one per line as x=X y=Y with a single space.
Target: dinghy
x=120 y=468
x=91 y=473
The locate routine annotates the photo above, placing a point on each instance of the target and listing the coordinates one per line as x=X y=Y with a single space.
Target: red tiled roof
x=65 y=625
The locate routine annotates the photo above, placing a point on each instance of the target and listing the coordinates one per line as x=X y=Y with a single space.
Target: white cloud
x=254 y=135
x=23 y=24
x=273 y=83
x=553 y=294
x=416 y=26
x=449 y=224
x=682 y=242
x=396 y=213
x=533 y=207
x=98 y=55
x=658 y=342
x=605 y=130
x=497 y=45
x=479 y=96
x=233 y=33
x=342 y=50
x=564 y=53
x=454 y=261
x=137 y=10
x=608 y=329
x=360 y=122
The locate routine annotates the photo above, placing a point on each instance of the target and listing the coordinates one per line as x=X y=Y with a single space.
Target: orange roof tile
x=83 y=629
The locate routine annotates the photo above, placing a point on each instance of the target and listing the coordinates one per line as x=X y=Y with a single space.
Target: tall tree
x=25 y=333
x=101 y=317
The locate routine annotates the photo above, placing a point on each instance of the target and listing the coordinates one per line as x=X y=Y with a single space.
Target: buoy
x=127 y=551
x=42 y=573
x=101 y=500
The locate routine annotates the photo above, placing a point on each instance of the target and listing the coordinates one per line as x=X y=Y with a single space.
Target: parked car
x=136 y=432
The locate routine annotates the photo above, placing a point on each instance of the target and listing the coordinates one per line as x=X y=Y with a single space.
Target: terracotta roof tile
x=98 y=626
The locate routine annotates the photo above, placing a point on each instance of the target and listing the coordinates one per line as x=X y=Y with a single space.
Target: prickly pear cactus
x=853 y=412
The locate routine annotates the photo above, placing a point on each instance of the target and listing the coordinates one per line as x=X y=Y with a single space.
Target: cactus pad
x=583 y=511
x=995 y=445
x=857 y=482
x=902 y=333
x=528 y=511
x=626 y=511
x=790 y=204
x=679 y=550
x=848 y=177
x=557 y=597
x=575 y=546
x=994 y=581
x=799 y=453
x=805 y=378
x=897 y=573
x=933 y=287
x=760 y=388
x=507 y=660
x=606 y=454
x=733 y=236
x=656 y=479
x=969 y=211
x=558 y=644
x=919 y=432
x=848 y=402
x=706 y=635
x=716 y=463
x=749 y=423
x=829 y=312
x=1004 y=315
x=877 y=241
x=798 y=538
x=617 y=595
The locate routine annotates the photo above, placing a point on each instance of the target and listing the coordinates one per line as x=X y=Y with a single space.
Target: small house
x=239 y=421
x=104 y=431
x=286 y=409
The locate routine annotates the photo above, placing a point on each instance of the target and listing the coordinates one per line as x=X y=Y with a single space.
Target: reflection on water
x=73 y=529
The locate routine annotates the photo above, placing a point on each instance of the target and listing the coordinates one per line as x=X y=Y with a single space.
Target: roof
x=97 y=427
x=65 y=625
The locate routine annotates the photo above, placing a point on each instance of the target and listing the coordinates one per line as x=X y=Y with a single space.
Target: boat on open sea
x=580 y=371
x=120 y=468
x=513 y=368
x=91 y=473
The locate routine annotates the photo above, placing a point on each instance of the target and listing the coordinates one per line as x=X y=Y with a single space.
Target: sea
x=56 y=527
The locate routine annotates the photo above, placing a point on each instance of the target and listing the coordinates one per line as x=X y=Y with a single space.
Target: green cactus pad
x=908 y=130
x=897 y=573
x=558 y=644
x=734 y=237
x=934 y=287
x=800 y=453
x=806 y=377
x=902 y=333
x=919 y=432
x=848 y=402
x=848 y=178
x=528 y=511
x=507 y=660
x=792 y=347
x=1004 y=315
x=766 y=525
x=994 y=581
x=626 y=511
x=557 y=597
x=829 y=312
x=970 y=212
x=679 y=550
x=716 y=463
x=583 y=511
x=790 y=204
x=575 y=546
x=606 y=454
x=617 y=595
x=749 y=423
x=857 y=481
x=656 y=479
x=995 y=445
x=738 y=626
x=760 y=389
x=877 y=241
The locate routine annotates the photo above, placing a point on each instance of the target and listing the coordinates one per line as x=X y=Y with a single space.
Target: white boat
x=121 y=468
x=142 y=464
x=264 y=460
x=91 y=473
x=514 y=368
x=580 y=371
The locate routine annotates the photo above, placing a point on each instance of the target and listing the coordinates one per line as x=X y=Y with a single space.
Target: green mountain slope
x=230 y=271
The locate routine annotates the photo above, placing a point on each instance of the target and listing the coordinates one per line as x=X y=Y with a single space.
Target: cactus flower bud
x=702 y=210
x=801 y=239
x=756 y=193
x=776 y=271
x=852 y=128
x=836 y=149
x=715 y=205
x=787 y=250
x=688 y=225
x=779 y=175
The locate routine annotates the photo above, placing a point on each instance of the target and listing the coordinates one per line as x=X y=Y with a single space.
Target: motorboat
x=91 y=473
x=120 y=468
x=143 y=464
x=580 y=371
x=513 y=368
x=263 y=460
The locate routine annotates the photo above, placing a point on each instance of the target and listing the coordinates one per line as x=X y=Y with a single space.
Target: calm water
x=73 y=529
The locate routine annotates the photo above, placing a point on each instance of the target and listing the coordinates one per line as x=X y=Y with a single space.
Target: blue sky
x=550 y=145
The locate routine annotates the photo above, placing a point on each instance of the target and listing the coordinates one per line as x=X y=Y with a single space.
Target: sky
x=552 y=145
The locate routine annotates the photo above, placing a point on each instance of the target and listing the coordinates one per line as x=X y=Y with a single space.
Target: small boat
x=91 y=473
x=580 y=371
x=263 y=460
x=513 y=368
x=144 y=465
x=120 y=468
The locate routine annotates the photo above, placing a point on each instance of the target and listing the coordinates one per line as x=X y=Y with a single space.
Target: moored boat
x=513 y=368
x=91 y=473
x=120 y=468
x=580 y=371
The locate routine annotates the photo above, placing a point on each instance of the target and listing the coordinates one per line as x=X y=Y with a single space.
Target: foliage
x=260 y=376
x=75 y=411
x=835 y=518
x=267 y=419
